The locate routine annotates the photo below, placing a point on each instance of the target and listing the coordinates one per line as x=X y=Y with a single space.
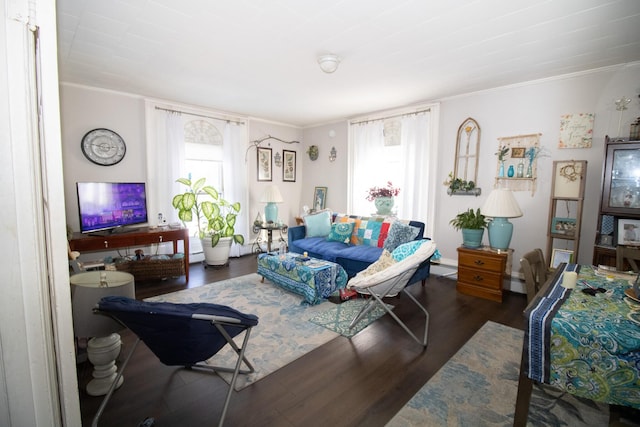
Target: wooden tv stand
x=143 y=236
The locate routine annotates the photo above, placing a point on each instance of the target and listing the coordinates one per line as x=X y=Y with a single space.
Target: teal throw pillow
x=318 y=224
x=341 y=232
x=407 y=249
x=399 y=233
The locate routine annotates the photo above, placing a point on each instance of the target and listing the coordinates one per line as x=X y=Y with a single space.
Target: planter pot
x=217 y=255
x=472 y=238
x=384 y=205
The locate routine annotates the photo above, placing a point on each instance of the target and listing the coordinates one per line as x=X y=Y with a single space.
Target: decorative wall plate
x=103 y=147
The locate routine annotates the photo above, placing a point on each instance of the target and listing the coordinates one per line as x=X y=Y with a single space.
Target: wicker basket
x=153 y=269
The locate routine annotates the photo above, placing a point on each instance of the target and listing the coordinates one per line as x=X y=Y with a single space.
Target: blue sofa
x=353 y=257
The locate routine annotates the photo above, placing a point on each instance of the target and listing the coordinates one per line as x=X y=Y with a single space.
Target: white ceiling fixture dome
x=329 y=62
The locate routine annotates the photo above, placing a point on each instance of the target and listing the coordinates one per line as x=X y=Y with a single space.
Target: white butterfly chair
x=389 y=282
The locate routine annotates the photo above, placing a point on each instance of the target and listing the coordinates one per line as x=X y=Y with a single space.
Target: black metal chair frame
x=227 y=326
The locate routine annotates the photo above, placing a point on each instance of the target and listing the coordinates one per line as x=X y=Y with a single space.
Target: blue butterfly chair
x=181 y=334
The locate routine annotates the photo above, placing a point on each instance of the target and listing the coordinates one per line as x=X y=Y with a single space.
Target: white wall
x=322 y=172
x=533 y=107
x=84 y=109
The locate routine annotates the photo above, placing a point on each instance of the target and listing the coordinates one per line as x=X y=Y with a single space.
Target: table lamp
x=104 y=344
x=271 y=196
x=500 y=205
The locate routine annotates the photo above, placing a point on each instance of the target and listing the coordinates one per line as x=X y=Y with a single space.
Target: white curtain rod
x=200 y=115
x=359 y=122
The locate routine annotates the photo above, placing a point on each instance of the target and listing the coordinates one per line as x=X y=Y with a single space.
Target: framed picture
x=629 y=232
x=289 y=166
x=319 y=198
x=517 y=152
x=264 y=164
x=563 y=226
x=559 y=256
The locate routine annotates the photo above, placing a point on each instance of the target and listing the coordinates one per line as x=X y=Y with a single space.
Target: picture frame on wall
x=558 y=256
x=517 y=152
x=629 y=232
x=289 y=166
x=319 y=198
x=565 y=226
x=265 y=165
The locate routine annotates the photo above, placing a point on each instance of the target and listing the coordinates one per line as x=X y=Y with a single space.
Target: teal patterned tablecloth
x=313 y=279
x=587 y=345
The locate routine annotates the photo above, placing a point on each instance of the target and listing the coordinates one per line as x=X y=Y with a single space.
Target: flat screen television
x=107 y=207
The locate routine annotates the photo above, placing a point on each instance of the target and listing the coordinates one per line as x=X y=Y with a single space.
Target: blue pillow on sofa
x=407 y=249
x=341 y=232
x=318 y=224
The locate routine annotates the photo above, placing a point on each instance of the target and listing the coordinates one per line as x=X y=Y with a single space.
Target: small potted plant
x=215 y=218
x=383 y=198
x=472 y=223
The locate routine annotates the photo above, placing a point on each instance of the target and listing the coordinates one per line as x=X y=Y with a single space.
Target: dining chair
x=629 y=253
x=535 y=271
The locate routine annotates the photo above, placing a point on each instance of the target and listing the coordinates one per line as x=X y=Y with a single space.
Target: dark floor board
x=362 y=381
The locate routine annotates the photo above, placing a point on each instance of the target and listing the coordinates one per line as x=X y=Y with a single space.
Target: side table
x=481 y=272
x=104 y=344
x=258 y=228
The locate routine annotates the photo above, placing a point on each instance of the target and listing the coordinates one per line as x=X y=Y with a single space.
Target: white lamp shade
x=85 y=294
x=271 y=195
x=502 y=204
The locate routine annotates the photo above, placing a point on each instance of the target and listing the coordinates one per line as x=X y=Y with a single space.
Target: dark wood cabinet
x=143 y=237
x=619 y=216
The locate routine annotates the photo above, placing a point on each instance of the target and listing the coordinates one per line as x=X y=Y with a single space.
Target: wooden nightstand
x=481 y=272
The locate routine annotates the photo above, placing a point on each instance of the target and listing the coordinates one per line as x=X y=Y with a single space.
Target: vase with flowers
x=383 y=198
x=502 y=151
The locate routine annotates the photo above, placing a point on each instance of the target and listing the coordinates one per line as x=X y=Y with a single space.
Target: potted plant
x=215 y=218
x=472 y=223
x=383 y=198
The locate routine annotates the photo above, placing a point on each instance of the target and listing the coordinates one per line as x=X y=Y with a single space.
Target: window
x=400 y=151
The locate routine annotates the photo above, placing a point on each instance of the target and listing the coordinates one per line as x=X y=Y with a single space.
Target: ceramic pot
x=219 y=254
x=472 y=238
x=384 y=205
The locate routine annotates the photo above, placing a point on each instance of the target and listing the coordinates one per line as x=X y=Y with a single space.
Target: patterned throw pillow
x=318 y=224
x=341 y=232
x=385 y=261
x=400 y=233
x=407 y=249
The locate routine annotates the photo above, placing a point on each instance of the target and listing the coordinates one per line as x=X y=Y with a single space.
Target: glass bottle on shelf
x=511 y=171
x=520 y=172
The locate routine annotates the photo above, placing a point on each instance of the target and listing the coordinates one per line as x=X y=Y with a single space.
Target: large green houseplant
x=214 y=216
x=472 y=223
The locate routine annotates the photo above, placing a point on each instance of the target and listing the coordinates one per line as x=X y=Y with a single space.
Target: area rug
x=339 y=317
x=283 y=333
x=478 y=386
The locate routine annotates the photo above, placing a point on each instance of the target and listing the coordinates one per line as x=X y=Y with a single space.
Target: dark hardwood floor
x=362 y=381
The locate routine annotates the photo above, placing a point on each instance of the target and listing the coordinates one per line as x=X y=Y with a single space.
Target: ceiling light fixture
x=329 y=63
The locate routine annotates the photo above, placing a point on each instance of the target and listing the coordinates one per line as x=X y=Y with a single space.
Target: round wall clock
x=103 y=147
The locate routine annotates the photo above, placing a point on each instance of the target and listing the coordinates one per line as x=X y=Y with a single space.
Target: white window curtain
x=236 y=186
x=367 y=142
x=415 y=146
x=165 y=161
x=410 y=170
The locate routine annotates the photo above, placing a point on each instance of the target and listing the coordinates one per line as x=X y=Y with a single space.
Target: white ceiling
x=258 y=57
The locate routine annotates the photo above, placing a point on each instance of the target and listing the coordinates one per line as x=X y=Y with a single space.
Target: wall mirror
x=467 y=151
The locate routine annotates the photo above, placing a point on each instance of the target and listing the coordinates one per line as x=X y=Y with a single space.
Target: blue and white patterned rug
x=478 y=386
x=284 y=332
